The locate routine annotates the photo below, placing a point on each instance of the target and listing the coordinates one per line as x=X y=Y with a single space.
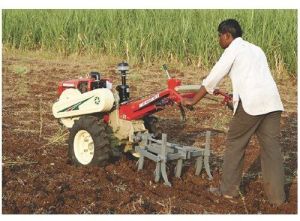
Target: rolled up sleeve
x=220 y=69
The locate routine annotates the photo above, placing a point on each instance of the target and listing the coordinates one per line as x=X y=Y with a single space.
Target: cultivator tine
x=178 y=168
x=164 y=174
x=164 y=160
x=140 y=163
x=157 y=172
x=199 y=163
x=207 y=154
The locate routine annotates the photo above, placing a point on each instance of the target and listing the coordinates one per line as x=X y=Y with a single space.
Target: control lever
x=182 y=112
x=165 y=68
x=191 y=108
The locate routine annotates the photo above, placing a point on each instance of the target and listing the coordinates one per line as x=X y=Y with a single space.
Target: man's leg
x=242 y=127
x=268 y=134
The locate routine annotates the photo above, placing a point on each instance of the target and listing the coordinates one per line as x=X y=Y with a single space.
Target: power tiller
x=101 y=118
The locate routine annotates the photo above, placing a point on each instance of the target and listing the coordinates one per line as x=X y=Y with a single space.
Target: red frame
x=134 y=110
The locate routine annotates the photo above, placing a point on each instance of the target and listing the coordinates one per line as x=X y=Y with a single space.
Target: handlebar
x=177 y=97
x=227 y=98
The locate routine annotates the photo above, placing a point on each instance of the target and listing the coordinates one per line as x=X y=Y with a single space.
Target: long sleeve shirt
x=251 y=78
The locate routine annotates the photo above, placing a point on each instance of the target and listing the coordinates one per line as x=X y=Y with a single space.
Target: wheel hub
x=84 y=147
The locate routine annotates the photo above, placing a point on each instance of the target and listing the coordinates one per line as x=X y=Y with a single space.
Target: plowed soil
x=38 y=178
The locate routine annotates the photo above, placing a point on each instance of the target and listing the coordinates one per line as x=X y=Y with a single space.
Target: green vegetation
x=185 y=36
x=20 y=70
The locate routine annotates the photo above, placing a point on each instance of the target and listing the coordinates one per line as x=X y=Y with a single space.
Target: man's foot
x=277 y=203
x=217 y=192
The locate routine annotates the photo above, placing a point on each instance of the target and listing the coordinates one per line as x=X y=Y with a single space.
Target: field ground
x=38 y=178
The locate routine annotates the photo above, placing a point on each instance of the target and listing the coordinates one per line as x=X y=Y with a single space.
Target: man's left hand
x=186 y=102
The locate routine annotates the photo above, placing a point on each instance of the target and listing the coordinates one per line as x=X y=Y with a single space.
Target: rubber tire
x=98 y=132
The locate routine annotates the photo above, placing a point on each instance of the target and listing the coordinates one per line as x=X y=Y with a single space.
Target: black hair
x=232 y=26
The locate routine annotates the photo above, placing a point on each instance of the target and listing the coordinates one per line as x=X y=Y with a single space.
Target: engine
x=83 y=96
x=94 y=81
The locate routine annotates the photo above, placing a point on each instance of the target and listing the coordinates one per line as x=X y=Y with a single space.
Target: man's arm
x=220 y=69
x=198 y=96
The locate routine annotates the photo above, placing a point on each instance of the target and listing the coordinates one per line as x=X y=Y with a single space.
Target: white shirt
x=252 y=81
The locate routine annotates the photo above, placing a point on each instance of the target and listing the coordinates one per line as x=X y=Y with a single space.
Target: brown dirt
x=38 y=178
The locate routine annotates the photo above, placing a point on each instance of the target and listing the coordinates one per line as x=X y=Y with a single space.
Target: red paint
x=173 y=82
x=106 y=118
x=135 y=110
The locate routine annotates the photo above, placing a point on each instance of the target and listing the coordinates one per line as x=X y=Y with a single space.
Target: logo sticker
x=97 y=100
x=146 y=102
x=75 y=106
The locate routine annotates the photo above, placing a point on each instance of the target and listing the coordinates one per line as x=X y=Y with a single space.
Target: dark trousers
x=267 y=129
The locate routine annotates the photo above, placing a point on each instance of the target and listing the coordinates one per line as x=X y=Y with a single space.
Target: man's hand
x=186 y=102
x=198 y=96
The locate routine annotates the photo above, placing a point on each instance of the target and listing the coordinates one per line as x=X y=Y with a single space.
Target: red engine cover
x=83 y=84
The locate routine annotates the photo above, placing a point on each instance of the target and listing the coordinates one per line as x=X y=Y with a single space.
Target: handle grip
x=165 y=67
x=227 y=98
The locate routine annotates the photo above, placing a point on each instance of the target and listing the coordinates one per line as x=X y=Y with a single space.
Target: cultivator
x=161 y=152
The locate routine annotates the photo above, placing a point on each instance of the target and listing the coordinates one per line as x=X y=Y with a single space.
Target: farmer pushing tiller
x=97 y=116
x=257 y=110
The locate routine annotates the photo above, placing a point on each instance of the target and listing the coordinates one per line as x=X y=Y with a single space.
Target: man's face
x=225 y=39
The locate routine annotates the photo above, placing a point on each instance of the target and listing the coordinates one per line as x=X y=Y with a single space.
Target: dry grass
x=58 y=138
x=7 y=161
x=167 y=205
x=244 y=202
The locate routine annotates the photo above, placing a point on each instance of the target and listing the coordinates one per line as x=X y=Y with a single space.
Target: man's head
x=229 y=30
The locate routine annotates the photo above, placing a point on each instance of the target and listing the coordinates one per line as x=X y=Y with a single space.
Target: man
x=257 y=110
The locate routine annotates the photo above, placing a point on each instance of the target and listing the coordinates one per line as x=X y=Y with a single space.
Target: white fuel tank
x=72 y=103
